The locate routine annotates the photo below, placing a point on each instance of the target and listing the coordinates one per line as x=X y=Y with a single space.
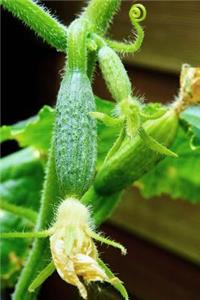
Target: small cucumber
x=114 y=73
x=75 y=134
x=134 y=158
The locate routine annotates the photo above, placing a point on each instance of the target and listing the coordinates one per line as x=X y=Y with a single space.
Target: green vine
x=40 y=21
x=46 y=214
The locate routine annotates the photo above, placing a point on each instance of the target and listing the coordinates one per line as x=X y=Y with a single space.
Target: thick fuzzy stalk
x=49 y=28
x=105 y=10
x=100 y=13
x=40 y=20
x=40 y=250
x=77 y=46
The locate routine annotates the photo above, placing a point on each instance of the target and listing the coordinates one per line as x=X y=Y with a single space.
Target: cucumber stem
x=40 y=246
x=77 y=46
x=100 y=13
x=39 y=20
x=107 y=241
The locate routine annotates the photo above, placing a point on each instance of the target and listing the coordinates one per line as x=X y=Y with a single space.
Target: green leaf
x=22 y=178
x=177 y=177
x=13 y=252
x=192 y=118
x=35 y=132
x=114 y=281
x=21 y=183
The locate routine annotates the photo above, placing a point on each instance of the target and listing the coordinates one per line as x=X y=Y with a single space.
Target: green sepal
x=113 y=280
x=106 y=119
x=42 y=276
x=107 y=241
x=154 y=145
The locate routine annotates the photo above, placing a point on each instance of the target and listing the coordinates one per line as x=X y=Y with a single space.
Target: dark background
x=31 y=72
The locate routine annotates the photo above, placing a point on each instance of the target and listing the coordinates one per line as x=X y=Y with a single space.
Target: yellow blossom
x=73 y=250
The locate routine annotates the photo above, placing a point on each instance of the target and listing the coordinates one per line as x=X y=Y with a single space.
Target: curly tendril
x=137 y=14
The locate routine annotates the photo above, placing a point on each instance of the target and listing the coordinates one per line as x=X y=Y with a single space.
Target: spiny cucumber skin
x=114 y=73
x=75 y=135
x=134 y=158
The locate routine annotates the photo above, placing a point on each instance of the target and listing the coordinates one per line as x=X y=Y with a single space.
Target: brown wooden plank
x=150 y=272
x=171 y=34
x=173 y=224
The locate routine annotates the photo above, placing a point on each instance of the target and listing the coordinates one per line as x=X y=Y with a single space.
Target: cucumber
x=114 y=74
x=134 y=158
x=75 y=135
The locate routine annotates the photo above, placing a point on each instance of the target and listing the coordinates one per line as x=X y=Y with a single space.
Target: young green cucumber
x=114 y=73
x=75 y=130
x=75 y=134
x=134 y=158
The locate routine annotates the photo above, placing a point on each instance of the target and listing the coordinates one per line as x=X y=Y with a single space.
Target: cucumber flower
x=74 y=252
